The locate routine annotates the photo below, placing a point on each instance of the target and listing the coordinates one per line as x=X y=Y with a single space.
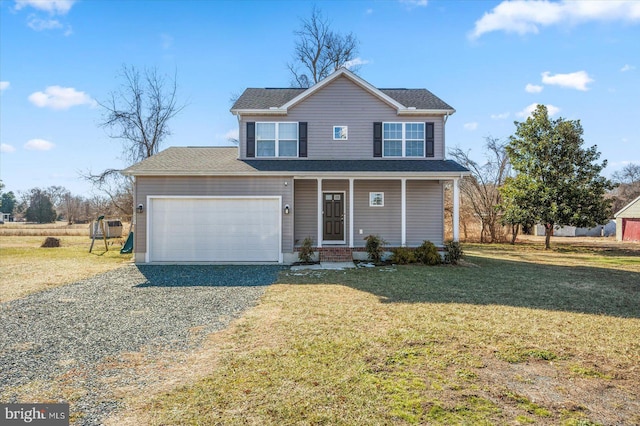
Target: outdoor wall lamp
x=286 y=209
x=140 y=209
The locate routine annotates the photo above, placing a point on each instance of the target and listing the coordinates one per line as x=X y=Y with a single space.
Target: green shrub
x=453 y=252
x=375 y=248
x=403 y=256
x=305 y=255
x=428 y=254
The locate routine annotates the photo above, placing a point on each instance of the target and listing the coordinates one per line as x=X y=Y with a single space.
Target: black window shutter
x=251 y=139
x=429 y=140
x=377 y=139
x=302 y=139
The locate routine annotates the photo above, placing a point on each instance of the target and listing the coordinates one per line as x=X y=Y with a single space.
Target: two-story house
x=335 y=162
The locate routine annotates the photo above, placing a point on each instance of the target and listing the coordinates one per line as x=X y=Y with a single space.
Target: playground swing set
x=100 y=227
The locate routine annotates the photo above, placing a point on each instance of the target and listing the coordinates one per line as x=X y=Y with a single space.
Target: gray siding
x=212 y=186
x=425 y=212
x=343 y=103
x=383 y=221
x=305 y=210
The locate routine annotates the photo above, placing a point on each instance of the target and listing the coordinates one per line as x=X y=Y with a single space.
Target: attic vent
x=411 y=107
x=273 y=107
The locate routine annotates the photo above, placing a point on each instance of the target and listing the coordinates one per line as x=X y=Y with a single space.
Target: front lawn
x=25 y=267
x=516 y=336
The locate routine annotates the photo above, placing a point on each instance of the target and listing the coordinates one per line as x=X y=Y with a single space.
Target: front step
x=335 y=254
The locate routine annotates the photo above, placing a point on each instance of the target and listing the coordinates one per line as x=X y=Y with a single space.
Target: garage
x=214 y=229
x=628 y=222
x=630 y=229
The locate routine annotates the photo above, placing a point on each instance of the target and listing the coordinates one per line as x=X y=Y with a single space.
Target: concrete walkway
x=337 y=266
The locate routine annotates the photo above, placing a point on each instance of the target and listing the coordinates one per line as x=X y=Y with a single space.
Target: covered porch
x=339 y=212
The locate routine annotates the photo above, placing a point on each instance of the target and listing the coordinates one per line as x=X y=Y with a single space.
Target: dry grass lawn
x=516 y=336
x=26 y=268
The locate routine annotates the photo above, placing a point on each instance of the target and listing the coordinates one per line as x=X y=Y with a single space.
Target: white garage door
x=214 y=230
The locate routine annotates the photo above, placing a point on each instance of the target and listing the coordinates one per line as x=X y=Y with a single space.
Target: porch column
x=319 y=212
x=403 y=204
x=351 y=196
x=456 y=210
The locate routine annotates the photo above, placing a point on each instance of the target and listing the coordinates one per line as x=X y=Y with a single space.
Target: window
x=276 y=139
x=376 y=199
x=340 y=133
x=403 y=139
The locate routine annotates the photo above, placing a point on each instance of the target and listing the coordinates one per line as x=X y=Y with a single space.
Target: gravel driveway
x=134 y=308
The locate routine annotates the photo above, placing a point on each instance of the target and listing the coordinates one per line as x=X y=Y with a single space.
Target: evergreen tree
x=558 y=182
x=40 y=207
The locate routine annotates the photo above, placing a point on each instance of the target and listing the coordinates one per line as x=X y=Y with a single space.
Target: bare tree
x=629 y=174
x=628 y=186
x=319 y=51
x=480 y=190
x=137 y=114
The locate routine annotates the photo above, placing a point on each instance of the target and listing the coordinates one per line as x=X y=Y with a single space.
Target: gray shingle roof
x=255 y=98
x=418 y=98
x=213 y=161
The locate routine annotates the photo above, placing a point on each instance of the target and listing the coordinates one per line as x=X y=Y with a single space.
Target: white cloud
x=627 y=67
x=532 y=88
x=54 y=7
x=522 y=17
x=7 y=148
x=415 y=3
x=471 y=126
x=501 y=116
x=56 y=97
x=38 y=145
x=38 y=24
x=355 y=63
x=576 y=80
x=4 y=85
x=551 y=110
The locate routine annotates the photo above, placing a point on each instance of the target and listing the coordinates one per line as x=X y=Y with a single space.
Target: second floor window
x=403 y=139
x=276 y=139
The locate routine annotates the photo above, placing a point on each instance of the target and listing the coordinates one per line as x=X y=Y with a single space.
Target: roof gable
x=278 y=101
x=622 y=210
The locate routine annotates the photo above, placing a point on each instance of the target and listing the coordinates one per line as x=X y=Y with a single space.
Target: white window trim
x=277 y=139
x=404 y=139
x=346 y=133
x=371 y=197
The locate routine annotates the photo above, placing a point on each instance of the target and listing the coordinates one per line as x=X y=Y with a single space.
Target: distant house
x=335 y=163
x=6 y=217
x=628 y=222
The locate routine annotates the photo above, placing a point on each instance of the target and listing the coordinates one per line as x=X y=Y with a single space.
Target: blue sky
x=491 y=60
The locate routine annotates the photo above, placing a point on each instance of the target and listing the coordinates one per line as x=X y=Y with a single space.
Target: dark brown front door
x=333 y=217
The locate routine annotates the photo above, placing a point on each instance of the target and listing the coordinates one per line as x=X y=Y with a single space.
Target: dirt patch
x=552 y=385
x=51 y=242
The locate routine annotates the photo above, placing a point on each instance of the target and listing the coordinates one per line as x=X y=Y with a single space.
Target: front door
x=333 y=217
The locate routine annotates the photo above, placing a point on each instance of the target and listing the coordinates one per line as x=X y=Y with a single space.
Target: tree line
x=56 y=203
